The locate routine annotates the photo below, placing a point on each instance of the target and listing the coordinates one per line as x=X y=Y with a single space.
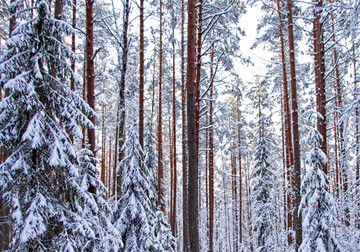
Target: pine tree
x=262 y=193
x=142 y=228
x=317 y=204
x=50 y=208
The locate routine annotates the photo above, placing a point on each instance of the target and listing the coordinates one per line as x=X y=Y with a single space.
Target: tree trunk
x=115 y=153
x=103 y=149
x=234 y=194
x=159 y=130
x=122 y=108
x=90 y=71
x=211 y=159
x=173 y=225
x=141 y=87
x=240 y=175
x=186 y=243
x=320 y=77
x=73 y=49
x=296 y=145
x=289 y=161
x=58 y=9
x=109 y=170
x=192 y=146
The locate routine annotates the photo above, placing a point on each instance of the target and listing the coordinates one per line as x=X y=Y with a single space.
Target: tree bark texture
x=159 y=129
x=296 y=181
x=191 y=116
x=122 y=108
x=90 y=71
x=185 y=230
x=141 y=87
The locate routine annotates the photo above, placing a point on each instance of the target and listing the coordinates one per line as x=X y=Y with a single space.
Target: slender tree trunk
x=192 y=146
x=84 y=98
x=110 y=170
x=186 y=243
x=357 y=139
x=289 y=161
x=141 y=88
x=197 y=88
x=122 y=107
x=240 y=175
x=116 y=153
x=211 y=159
x=73 y=49
x=173 y=221
x=90 y=71
x=320 y=77
x=234 y=195
x=171 y=173
x=58 y=9
x=296 y=145
x=103 y=151
x=159 y=130
x=284 y=165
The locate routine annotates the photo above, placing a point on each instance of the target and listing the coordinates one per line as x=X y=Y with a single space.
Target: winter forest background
x=151 y=126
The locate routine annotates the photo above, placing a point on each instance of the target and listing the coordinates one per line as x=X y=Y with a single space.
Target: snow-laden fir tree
x=317 y=204
x=162 y=228
x=50 y=208
x=262 y=193
x=135 y=215
x=94 y=208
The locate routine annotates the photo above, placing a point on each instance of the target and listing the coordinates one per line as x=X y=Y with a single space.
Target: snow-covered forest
x=148 y=125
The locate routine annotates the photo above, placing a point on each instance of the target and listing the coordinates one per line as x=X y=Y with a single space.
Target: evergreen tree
x=142 y=228
x=317 y=204
x=262 y=194
x=51 y=209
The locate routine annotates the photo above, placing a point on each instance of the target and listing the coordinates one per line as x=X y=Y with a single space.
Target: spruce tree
x=142 y=228
x=51 y=209
x=317 y=204
x=262 y=193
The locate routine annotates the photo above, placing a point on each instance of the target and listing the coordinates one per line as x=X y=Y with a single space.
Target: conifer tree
x=317 y=204
x=142 y=228
x=262 y=193
x=50 y=207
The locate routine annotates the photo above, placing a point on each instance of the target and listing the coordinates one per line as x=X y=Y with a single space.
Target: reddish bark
x=141 y=87
x=234 y=195
x=240 y=176
x=173 y=221
x=90 y=70
x=159 y=130
x=192 y=139
x=103 y=142
x=73 y=49
x=109 y=171
x=116 y=153
x=289 y=159
x=211 y=159
x=296 y=145
x=58 y=9
x=185 y=230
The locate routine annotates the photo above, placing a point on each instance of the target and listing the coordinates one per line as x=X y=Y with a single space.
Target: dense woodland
x=128 y=126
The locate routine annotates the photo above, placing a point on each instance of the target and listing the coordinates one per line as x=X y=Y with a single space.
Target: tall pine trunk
x=141 y=87
x=192 y=139
x=90 y=71
x=295 y=121
x=173 y=220
x=211 y=158
x=159 y=129
x=186 y=244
